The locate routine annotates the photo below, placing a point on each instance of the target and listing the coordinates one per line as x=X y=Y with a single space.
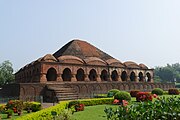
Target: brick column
x=73 y=78
x=43 y=78
x=136 y=79
x=98 y=78
x=59 y=78
x=86 y=78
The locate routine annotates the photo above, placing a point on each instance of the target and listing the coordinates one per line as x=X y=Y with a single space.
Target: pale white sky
x=143 y=31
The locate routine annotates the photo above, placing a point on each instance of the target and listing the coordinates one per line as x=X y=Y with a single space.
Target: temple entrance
x=114 y=76
x=93 y=75
x=66 y=76
x=140 y=77
x=148 y=77
x=51 y=74
x=104 y=75
x=124 y=76
x=132 y=76
x=80 y=75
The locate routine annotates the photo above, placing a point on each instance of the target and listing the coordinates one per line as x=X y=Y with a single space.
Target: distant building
x=78 y=70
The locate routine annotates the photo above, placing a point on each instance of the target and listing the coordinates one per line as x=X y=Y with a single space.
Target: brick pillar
x=109 y=77
x=59 y=78
x=136 y=79
x=119 y=78
x=73 y=79
x=86 y=78
x=98 y=78
x=43 y=78
x=128 y=78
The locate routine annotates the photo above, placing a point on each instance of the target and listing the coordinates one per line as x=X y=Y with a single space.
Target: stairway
x=62 y=92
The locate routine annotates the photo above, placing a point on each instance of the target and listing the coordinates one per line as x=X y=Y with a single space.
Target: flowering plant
x=10 y=104
x=79 y=107
x=124 y=103
x=116 y=101
x=144 y=96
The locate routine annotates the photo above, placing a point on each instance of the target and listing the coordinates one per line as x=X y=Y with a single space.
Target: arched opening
x=124 y=76
x=92 y=75
x=140 y=77
x=148 y=77
x=104 y=75
x=51 y=74
x=132 y=76
x=66 y=76
x=80 y=75
x=114 y=75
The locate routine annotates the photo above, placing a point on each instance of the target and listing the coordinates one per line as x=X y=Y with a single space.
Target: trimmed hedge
x=173 y=91
x=144 y=96
x=133 y=93
x=91 y=102
x=112 y=92
x=122 y=95
x=45 y=114
x=157 y=91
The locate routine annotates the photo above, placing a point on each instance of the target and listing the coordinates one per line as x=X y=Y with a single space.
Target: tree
x=168 y=73
x=6 y=73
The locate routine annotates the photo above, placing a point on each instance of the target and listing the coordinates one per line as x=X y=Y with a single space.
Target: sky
x=143 y=31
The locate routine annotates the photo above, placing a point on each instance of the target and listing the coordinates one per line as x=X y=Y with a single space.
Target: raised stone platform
x=57 y=91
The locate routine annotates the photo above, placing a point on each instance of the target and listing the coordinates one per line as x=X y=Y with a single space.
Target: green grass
x=92 y=113
x=97 y=112
x=14 y=116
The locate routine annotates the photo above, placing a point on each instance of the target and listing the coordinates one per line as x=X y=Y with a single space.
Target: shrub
x=36 y=106
x=112 y=92
x=144 y=96
x=133 y=93
x=122 y=95
x=2 y=109
x=163 y=109
x=100 y=95
x=173 y=91
x=96 y=101
x=28 y=106
x=73 y=103
x=18 y=105
x=10 y=104
x=45 y=114
x=157 y=91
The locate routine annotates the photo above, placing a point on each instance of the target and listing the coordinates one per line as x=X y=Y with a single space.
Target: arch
x=148 y=77
x=114 y=75
x=51 y=74
x=124 y=76
x=104 y=75
x=66 y=76
x=132 y=76
x=92 y=75
x=80 y=75
x=140 y=77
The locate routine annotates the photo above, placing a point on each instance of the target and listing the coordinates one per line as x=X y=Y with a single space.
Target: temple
x=78 y=70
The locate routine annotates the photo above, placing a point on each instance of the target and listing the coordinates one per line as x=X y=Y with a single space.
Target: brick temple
x=78 y=70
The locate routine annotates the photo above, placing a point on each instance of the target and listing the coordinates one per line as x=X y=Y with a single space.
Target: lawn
x=97 y=112
x=15 y=115
x=92 y=113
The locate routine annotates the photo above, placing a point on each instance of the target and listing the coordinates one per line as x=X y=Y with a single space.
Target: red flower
x=115 y=101
x=144 y=96
x=155 y=96
x=124 y=102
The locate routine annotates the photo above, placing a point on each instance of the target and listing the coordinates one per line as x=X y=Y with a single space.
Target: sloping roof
x=81 y=49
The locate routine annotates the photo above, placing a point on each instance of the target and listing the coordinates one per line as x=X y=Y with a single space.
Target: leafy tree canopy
x=6 y=73
x=168 y=73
